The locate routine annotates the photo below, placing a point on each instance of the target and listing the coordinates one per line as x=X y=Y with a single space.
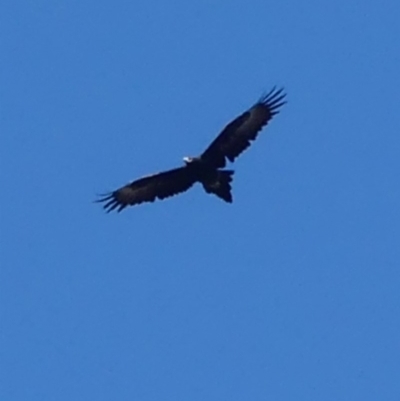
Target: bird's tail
x=221 y=186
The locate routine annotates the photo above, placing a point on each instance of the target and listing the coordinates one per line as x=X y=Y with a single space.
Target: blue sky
x=290 y=293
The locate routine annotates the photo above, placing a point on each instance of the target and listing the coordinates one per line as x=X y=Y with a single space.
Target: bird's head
x=188 y=159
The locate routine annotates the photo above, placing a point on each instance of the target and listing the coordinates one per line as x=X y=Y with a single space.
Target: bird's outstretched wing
x=239 y=133
x=147 y=189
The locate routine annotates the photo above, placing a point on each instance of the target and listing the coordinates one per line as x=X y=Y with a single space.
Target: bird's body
x=205 y=173
x=214 y=180
x=206 y=169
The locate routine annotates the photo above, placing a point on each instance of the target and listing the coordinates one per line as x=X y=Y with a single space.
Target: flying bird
x=208 y=168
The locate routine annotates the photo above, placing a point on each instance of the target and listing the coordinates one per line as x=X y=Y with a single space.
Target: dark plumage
x=229 y=144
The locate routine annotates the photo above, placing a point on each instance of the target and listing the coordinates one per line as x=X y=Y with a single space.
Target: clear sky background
x=290 y=293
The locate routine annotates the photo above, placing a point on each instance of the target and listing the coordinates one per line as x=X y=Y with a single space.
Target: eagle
x=206 y=169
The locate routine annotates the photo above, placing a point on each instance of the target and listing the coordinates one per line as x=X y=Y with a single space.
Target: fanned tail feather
x=221 y=186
